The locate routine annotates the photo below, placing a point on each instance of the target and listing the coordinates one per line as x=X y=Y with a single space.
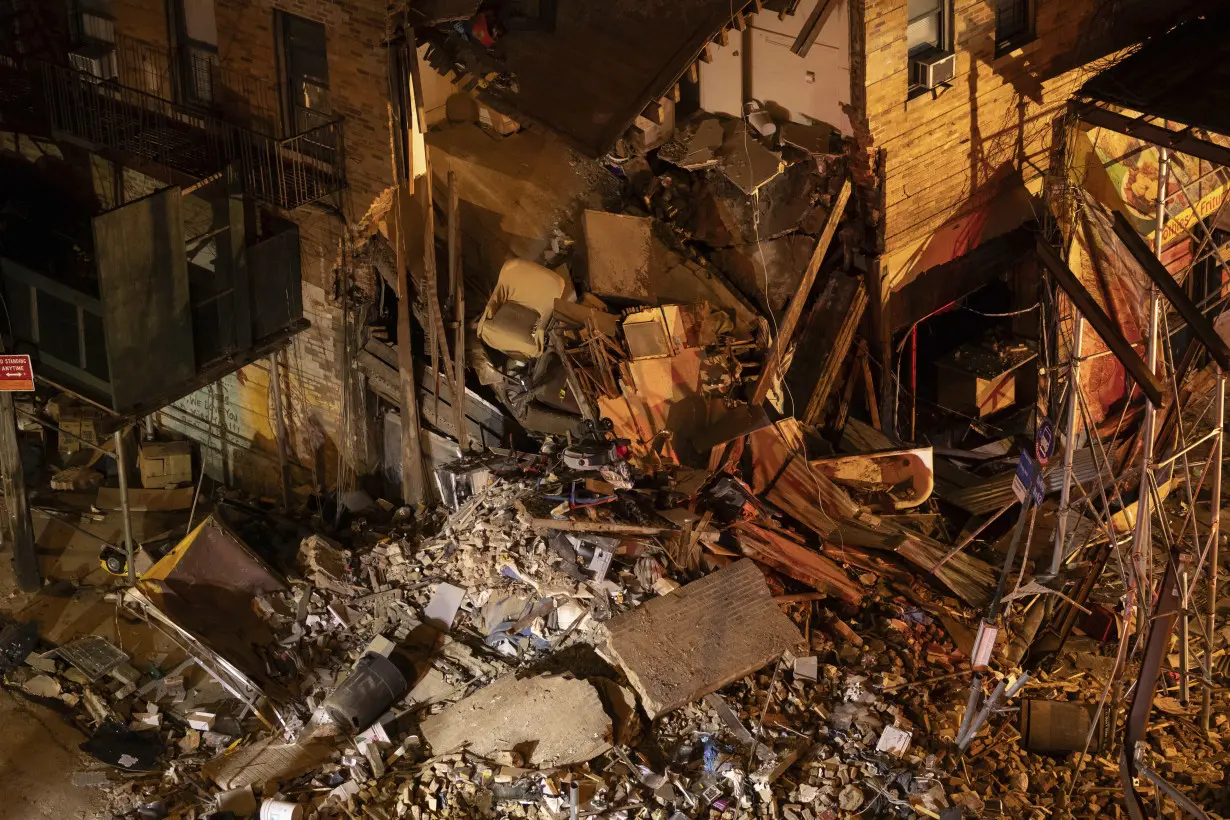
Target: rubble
x=711 y=578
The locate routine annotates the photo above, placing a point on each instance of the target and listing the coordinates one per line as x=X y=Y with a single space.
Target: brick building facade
x=232 y=419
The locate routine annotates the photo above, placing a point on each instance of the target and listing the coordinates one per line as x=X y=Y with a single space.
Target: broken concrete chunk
x=323 y=562
x=746 y=162
x=624 y=255
x=679 y=647
x=552 y=719
x=696 y=147
x=43 y=686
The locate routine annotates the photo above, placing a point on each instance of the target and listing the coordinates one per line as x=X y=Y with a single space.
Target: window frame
x=943 y=12
x=290 y=109
x=946 y=42
x=189 y=56
x=1017 y=38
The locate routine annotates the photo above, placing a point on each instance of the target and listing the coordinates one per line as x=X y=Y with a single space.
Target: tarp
x=206 y=586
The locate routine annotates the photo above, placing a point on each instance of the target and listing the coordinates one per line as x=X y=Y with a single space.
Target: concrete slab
x=551 y=719
x=680 y=647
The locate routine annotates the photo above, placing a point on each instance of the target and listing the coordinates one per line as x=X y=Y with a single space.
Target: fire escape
x=133 y=303
x=177 y=115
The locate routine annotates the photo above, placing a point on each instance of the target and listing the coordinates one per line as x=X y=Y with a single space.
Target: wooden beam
x=1155 y=270
x=279 y=424
x=790 y=321
x=812 y=26
x=1182 y=141
x=457 y=284
x=25 y=554
x=413 y=490
x=432 y=285
x=1102 y=324
x=870 y=387
x=609 y=527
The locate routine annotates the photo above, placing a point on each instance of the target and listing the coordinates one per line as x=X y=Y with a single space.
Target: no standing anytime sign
x=16 y=373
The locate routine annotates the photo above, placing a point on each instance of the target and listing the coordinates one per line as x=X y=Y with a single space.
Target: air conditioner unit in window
x=932 y=68
x=96 y=60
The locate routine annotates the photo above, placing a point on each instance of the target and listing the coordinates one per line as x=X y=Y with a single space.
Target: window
x=1014 y=24
x=195 y=35
x=927 y=27
x=305 y=69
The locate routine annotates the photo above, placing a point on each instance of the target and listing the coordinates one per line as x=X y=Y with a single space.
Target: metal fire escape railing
x=132 y=114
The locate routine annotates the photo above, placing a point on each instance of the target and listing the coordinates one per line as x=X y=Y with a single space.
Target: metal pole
x=1184 y=637
x=279 y=424
x=1206 y=702
x=122 y=468
x=1142 y=552
x=1069 y=445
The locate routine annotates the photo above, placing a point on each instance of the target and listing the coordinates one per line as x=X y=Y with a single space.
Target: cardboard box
x=165 y=464
x=79 y=423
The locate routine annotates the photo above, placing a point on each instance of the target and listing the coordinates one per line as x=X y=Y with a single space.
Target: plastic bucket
x=366 y=693
x=281 y=810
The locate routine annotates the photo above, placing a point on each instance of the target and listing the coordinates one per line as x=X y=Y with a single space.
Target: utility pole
x=25 y=555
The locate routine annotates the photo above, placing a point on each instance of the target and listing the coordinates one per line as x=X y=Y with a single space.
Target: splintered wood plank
x=779 y=551
x=786 y=332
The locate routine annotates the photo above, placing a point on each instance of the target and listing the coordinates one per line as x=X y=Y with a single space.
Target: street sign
x=1028 y=479
x=16 y=373
x=1024 y=477
x=1044 y=441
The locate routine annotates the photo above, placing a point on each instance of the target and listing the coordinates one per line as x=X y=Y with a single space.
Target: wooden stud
x=795 y=310
x=413 y=490
x=653 y=112
x=869 y=386
x=456 y=280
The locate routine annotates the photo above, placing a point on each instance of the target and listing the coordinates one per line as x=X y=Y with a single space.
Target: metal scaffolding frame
x=1172 y=452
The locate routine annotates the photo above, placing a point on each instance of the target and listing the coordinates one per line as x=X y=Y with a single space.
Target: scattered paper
x=442 y=609
x=894 y=741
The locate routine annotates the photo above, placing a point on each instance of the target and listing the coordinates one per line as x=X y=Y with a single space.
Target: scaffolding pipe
x=1069 y=447
x=1206 y=699
x=121 y=466
x=1142 y=553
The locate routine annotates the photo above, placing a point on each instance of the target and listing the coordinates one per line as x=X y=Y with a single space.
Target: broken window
x=305 y=67
x=1014 y=24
